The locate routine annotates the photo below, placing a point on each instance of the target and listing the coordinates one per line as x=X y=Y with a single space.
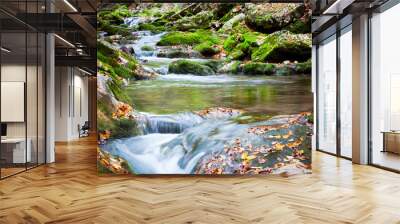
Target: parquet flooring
x=70 y=191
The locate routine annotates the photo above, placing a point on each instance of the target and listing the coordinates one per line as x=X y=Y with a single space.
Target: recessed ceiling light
x=5 y=50
x=86 y=72
x=64 y=40
x=70 y=5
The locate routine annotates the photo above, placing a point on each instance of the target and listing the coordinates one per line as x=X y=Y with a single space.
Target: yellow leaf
x=279 y=146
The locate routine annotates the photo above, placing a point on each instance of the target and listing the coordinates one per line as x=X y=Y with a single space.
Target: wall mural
x=204 y=88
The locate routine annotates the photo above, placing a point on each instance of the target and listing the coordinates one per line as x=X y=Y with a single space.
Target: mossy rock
x=223 y=9
x=207 y=49
x=182 y=52
x=284 y=45
x=303 y=67
x=201 y=20
x=300 y=26
x=232 y=67
x=214 y=64
x=231 y=42
x=284 y=70
x=237 y=54
x=190 y=67
x=188 y=38
x=232 y=22
x=256 y=68
x=112 y=20
x=268 y=18
x=147 y=48
x=241 y=46
x=151 y=27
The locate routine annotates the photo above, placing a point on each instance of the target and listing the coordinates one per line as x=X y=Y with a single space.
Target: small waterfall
x=133 y=21
x=146 y=38
x=175 y=153
x=175 y=123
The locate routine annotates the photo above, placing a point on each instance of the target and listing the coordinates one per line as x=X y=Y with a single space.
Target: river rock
x=284 y=45
x=232 y=67
x=178 y=52
x=270 y=17
x=227 y=27
x=190 y=67
x=201 y=20
x=128 y=50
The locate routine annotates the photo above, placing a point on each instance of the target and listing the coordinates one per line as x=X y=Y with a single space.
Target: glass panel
x=346 y=92
x=385 y=84
x=13 y=87
x=41 y=99
x=327 y=95
x=32 y=97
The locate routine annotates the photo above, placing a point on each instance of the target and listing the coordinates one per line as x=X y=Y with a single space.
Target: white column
x=360 y=90
x=50 y=100
x=314 y=91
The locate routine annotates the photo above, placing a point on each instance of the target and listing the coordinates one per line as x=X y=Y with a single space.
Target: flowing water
x=174 y=139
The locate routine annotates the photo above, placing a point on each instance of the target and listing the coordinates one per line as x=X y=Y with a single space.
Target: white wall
x=71 y=102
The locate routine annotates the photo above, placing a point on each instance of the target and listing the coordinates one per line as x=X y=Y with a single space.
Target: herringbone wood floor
x=70 y=191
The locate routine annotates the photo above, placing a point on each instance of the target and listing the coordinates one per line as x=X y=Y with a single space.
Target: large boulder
x=190 y=67
x=227 y=27
x=232 y=67
x=257 y=68
x=284 y=45
x=270 y=17
x=201 y=20
x=241 y=45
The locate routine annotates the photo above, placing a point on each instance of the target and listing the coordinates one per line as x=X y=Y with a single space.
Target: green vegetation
x=283 y=45
x=207 y=49
x=111 y=20
x=255 y=68
x=190 y=67
x=201 y=20
x=240 y=46
x=304 y=67
x=273 y=18
x=188 y=38
x=153 y=27
x=124 y=128
x=147 y=48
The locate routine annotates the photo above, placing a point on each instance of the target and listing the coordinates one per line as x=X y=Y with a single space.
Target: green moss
x=207 y=49
x=173 y=53
x=283 y=45
x=231 y=42
x=190 y=67
x=147 y=48
x=151 y=27
x=124 y=128
x=109 y=58
x=240 y=46
x=283 y=71
x=255 y=68
x=188 y=38
x=237 y=54
x=304 y=67
x=232 y=67
x=214 y=64
x=201 y=20
x=111 y=20
x=300 y=26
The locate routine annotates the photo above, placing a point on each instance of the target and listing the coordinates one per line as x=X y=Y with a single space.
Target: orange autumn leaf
x=279 y=146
